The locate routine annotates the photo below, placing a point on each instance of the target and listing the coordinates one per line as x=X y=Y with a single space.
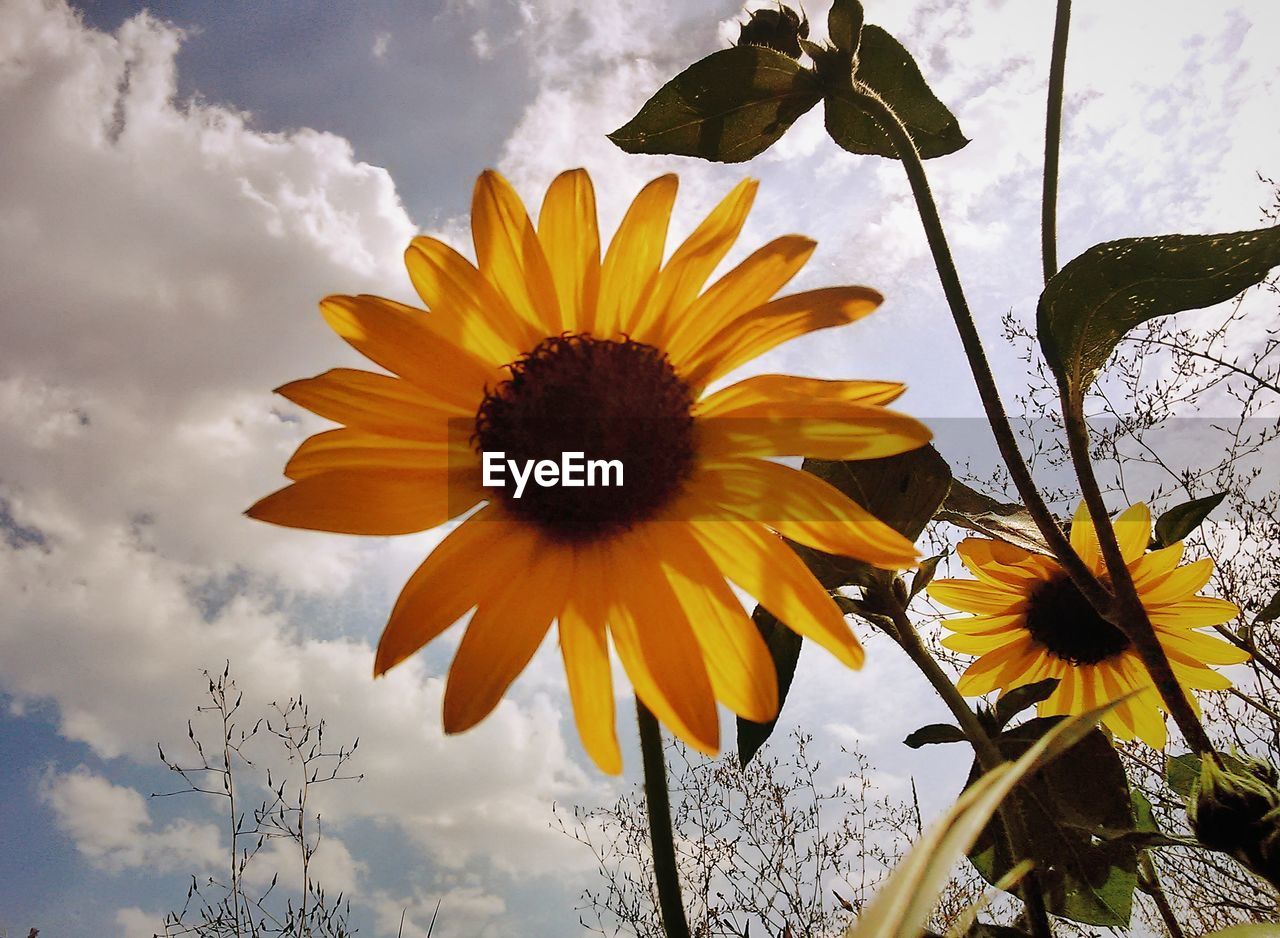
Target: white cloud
x=163 y=261
x=112 y=826
x=134 y=922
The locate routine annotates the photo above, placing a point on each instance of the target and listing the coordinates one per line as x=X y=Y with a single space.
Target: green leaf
x=1247 y=931
x=844 y=26
x=1086 y=878
x=1015 y=701
x=1094 y=300
x=885 y=66
x=1181 y=773
x=924 y=575
x=1180 y=520
x=1270 y=612
x=904 y=902
x=784 y=649
x=935 y=733
x=902 y=491
x=728 y=107
x=968 y=508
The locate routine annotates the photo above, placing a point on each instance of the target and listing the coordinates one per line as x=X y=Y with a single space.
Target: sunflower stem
x=984 y=380
x=985 y=750
x=1126 y=610
x=1052 y=140
x=1149 y=880
x=658 y=805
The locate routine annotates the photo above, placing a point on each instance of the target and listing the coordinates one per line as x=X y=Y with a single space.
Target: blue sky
x=176 y=192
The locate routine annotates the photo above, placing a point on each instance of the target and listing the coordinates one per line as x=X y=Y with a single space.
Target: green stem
x=1149 y=879
x=1126 y=611
x=658 y=804
x=1052 y=139
x=1007 y=443
x=984 y=749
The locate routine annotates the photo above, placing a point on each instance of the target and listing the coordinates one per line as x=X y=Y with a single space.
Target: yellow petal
x=748 y=285
x=1192 y=674
x=980 y=644
x=985 y=624
x=738 y=662
x=763 y=565
x=1133 y=531
x=469 y=563
x=820 y=429
x=345 y=448
x=998 y=668
x=510 y=623
x=584 y=646
x=657 y=646
x=1005 y=565
x=1203 y=648
x=765 y=389
x=404 y=340
x=373 y=403
x=1084 y=539
x=1193 y=613
x=767 y=326
x=1180 y=584
x=510 y=255
x=369 y=501
x=571 y=240
x=465 y=307
x=684 y=275
x=631 y=263
x=1151 y=567
x=802 y=507
x=976 y=596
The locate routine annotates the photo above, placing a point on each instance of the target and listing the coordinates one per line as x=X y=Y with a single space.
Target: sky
x=179 y=185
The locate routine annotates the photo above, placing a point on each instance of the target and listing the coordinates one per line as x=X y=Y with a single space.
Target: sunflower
x=1030 y=623
x=547 y=348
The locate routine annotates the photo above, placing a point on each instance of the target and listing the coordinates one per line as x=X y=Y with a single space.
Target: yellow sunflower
x=544 y=348
x=1031 y=623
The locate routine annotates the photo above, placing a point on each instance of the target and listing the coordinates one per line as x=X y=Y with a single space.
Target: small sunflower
x=1031 y=623
x=546 y=348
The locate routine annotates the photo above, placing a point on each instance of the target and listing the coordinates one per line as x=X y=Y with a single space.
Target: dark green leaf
x=935 y=733
x=903 y=491
x=727 y=108
x=987 y=930
x=1270 y=612
x=889 y=70
x=784 y=648
x=1086 y=878
x=1020 y=698
x=1094 y=300
x=1181 y=772
x=781 y=30
x=968 y=508
x=923 y=575
x=844 y=25
x=1180 y=520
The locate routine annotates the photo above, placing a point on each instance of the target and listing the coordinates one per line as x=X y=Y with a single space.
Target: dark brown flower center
x=1063 y=621
x=613 y=403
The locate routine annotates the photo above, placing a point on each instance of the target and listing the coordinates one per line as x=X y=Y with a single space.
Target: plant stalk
x=1052 y=141
x=984 y=749
x=658 y=806
x=1126 y=611
x=1007 y=443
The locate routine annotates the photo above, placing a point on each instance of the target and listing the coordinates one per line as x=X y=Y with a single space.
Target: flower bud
x=780 y=30
x=1235 y=808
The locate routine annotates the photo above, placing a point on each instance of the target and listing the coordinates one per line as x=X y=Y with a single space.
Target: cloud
x=163 y=260
x=111 y=826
